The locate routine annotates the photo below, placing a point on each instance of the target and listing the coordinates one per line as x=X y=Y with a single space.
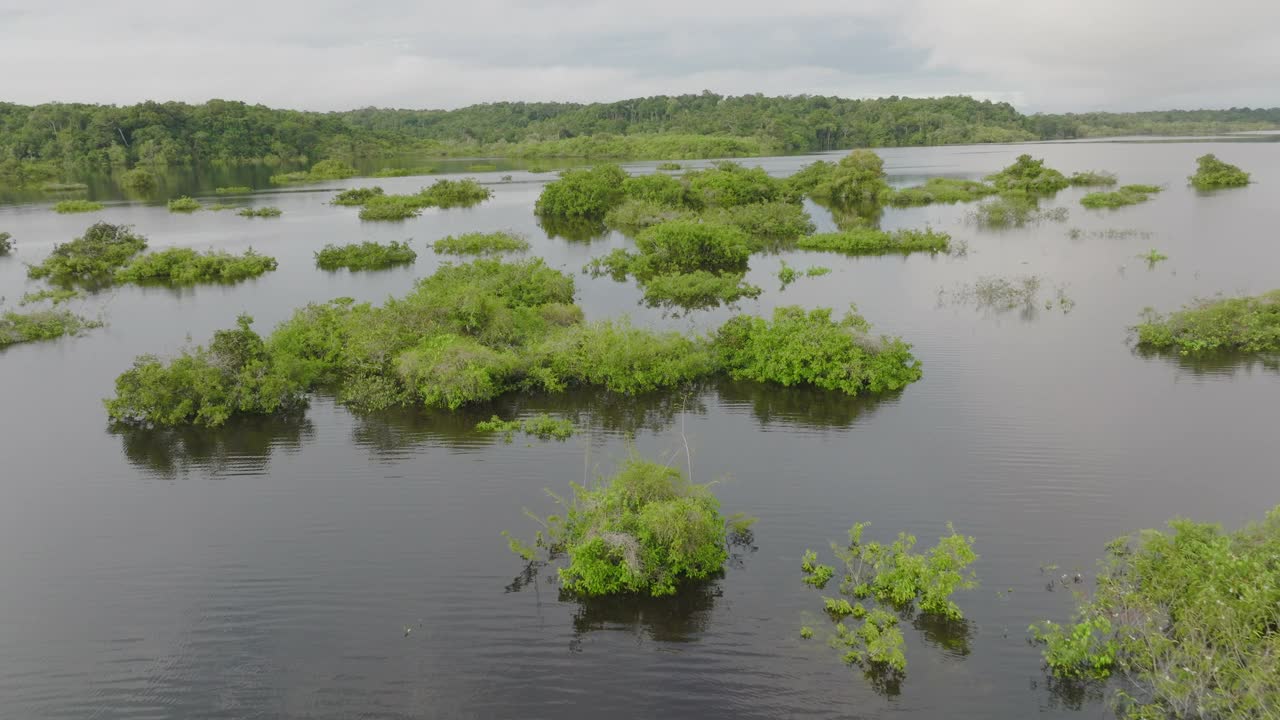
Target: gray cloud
x=327 y=54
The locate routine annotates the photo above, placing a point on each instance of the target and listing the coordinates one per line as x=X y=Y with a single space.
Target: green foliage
x=441 y=193
x=816 y=574
x=233 y=190
x=541 y=426
x=618 y=357
x=262 y=212
x=697 y=290
x=589 y=193
x=365 y=256
x=6 y=243
x=809 y=348
x=56 y=296
x=477 y=243
x=632 y=216
x=1014 y=209
x=139 y=180
x=324 y=170
x=668 y=166
x=1211 y=173
x=1190 y=617
x=773 y=224
x=92 y=257
x=806 y=632
x=817 y=271
x=1243 y=324
x=391 y=207
x=66 y=207
x=656 y=188
x=647 y=530
x=1153 y=256
x=1092 y=179
x=184 y=266
x=184 y=204
x=939 y=190
x=356 y=196
x=41 y=325
x=857 y=179
x=1124 y=195
x=870 y=241
x=403 y=172
x=730 y=184
x=786 y=274
x=234 y=375
x=1030 y=176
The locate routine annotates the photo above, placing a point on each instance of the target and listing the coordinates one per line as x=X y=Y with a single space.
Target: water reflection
x=573 y=229
x=679 y=618
x=801 y=407
x=243 y=446
x=1213 y=365
x=952 y=637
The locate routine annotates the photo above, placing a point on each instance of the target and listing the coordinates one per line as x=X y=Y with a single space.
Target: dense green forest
x=59 y=141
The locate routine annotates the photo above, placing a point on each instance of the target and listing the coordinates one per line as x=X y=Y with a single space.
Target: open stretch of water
x=270 y=569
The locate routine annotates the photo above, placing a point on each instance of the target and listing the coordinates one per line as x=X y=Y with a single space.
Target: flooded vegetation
x=66 y=207
x=869 y=241
x=1124 y=195
x=365 y=256
x=1212 y=174
x=266 y=211
x=184 y=266
x=495 y=243
x=24 y=327
x=92 y=257
x=1243 y=324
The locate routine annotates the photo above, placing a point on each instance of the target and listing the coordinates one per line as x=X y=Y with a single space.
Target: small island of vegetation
x=184 y=204
x=1212 y=174
x=870 y=241
x=365 y=256
x=6 y=243
x=23 y=327
x=357 y=196
x=67 y=207
x=1239 y=324
x=184 y=266
x=324 y=170
x=266 y=211
x=478 y=243
x=441 y=194
x=1120 y=197
x=91 y=258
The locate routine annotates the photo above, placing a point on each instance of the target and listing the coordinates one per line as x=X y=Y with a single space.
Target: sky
x=332 y=55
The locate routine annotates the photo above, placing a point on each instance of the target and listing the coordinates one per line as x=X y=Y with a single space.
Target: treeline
x=61 y=140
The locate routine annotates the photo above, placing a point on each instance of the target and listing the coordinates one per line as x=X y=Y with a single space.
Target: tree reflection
x=805 y=407
x=243 y=446
x=1227 y=364
x=573 y=229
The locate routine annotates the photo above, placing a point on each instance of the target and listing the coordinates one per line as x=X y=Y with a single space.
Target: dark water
x=270 y=569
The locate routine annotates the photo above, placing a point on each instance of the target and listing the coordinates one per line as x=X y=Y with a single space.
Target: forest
x=60 y=141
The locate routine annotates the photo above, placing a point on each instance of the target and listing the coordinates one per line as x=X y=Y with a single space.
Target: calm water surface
x=271 y=568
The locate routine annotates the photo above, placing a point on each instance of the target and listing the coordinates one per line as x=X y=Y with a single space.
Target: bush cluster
x=477 y=243
x=870 y=241
x=265 y=211
x=37 y=325
x=357 y=196
x=67 y=207
x=93 y=257
x=1029 y=175
x=1240 y=324
x=1211 y=174
x=939 y=190
x=441 y=193
x=365 y=256
x=323 y=170
x=184 y=204
x=1124 y=195
x=184 y=266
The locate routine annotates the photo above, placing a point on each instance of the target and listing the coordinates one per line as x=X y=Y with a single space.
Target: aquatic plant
x=870 y=241
x=233 y=190
x=999 y=293
x=668 y=166
x=235 y=375
x=1153 y=256
x=1014 y=209
x=391 y=207
x=939 y=190
x=896 y=577
x=184 y=266
x=323 y=170
x=55 y=296
x=541 y=426
x=482 y=167
x=403 y=172
x=215 y=207
x=66 y=207
x=265 y=211
x=810 y=348
x=91 y=257
x=38 y=325
x=647 y=530
x=858 y=178
x=786 y=274
x=139 y=180
x=1211 y=174
x=1124 y=195
x=365 y=256
x=584 y=193
x=184 y=204
x=1188 y=617
x=454 y=193
x=1029 y=175
x=1243 y=324
x=356 y=196
x=1092 y=178
x=729 y=184
x=817 y=271
x=6 y=243
x=477 y=243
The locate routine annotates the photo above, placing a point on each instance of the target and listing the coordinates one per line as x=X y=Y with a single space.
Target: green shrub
x=184 y=266
x=41 y=325
x=809 y=178
x=1014 y=209
x=6 y=243
x=262 y=212
x=585 y=193
x=1243 y=324
x=1092 y=179
x=454 y=193
x=870 y=241
x=618 y=357
x=91 y=257
x=729 y=184
x=541 y=426
x=235 y=375
x=138 y=180
x=682 y=246
x=1211 y=173
x=697 y=290
x=357 y=196
x=56 y=296
x=1125 y=195
x=1189 y=617
x=403 y=172
x=1030 y=176
x=365 y=256
x=668 y=166
x=939 y=190
x=215 y=207
x=391 y=207
x=633 y=216
x=857 y=179
x=476 y=243
x=1153 y=256
x=233 y=190
x=66 y=207
x=647 y=530
x=184 y=204
x=656 y=188
x=323 y=170
x=809 y=348
x=770 y=224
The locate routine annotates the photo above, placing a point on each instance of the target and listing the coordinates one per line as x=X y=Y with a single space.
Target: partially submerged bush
x=55 y=296
x=729 y=184
x=91 y=257
x=870 y=241
x=357 y=196
x=632 y=216
x=1190 y=617
x=184 y=266
x=403 y=172
x=1243 y=324
x=647 y=530
x=1092 y=179
x=857 y=179
x=582 y=193
x=1014 y=209
x=476 y=243
x=668 y=166
x=365 y=256
x=770 y=224
x=541 y=426
x=809 y=348
x=234 y=375
x=37 y=325
x=323 y=170
x=1124 y=195
x=1211 y=173
x=184 y=204
x=138 y=180
x=441 y=193
x=391 y=207
x=67 y=207
x=939 y=190
x=233 y=190
x=1029 y=175
x=6 y=243
x=265 y=211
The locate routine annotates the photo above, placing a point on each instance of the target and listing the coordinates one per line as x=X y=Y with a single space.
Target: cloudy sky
x=331 y=54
